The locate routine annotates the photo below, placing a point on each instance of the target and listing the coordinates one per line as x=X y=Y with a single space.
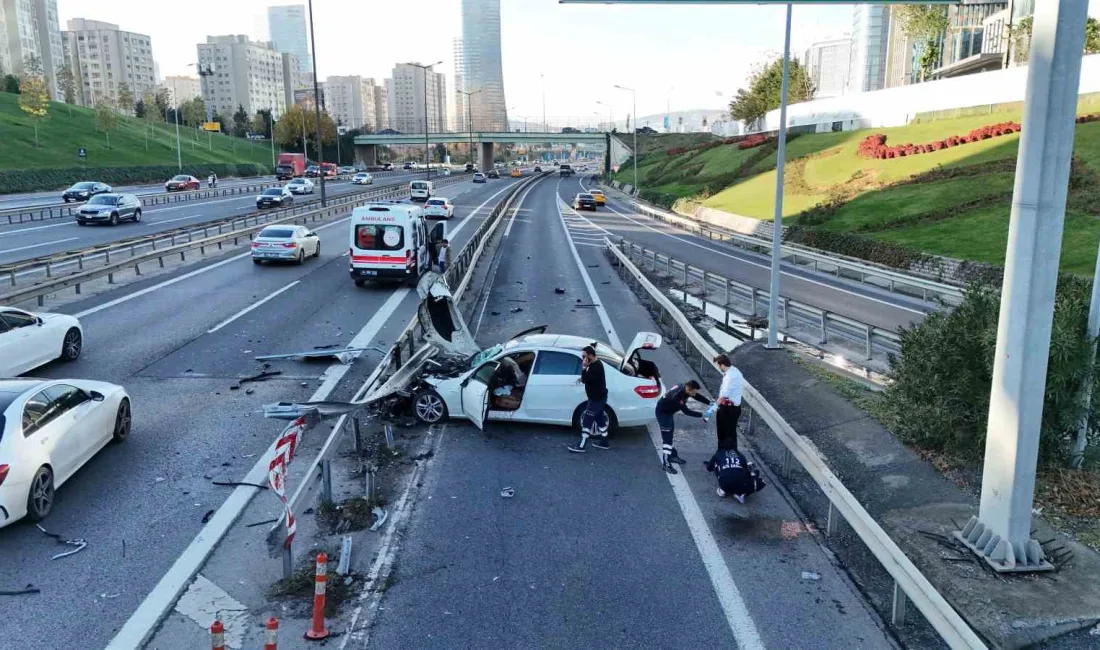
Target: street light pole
x=316 y=103
x=273 y=158
x=179 y=153
x=777 y=218
x=427 y=150
x=634 y=108
x=470 y=118
x=542 y=78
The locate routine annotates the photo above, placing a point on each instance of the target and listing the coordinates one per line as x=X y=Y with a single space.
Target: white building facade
x=407 y=95
x=103 y=57
x=351 y=102
x=182 y=88
x=870 y=38
x=245 y=73
x=829 y=64
x=30 y=28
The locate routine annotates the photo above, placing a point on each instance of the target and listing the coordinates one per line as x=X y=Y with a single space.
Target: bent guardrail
x=806 y=323
x=909 y=583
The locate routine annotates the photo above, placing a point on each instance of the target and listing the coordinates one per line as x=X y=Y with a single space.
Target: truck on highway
x=290 y=165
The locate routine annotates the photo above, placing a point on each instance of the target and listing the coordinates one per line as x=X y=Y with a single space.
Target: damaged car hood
x=440 y=319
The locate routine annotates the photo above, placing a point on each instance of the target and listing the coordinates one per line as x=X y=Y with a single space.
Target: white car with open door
x=30 y=339
x=439 y=207
x=482 y=385
x=48 y=430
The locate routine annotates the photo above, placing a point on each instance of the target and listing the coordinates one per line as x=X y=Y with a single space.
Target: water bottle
x=707 y=414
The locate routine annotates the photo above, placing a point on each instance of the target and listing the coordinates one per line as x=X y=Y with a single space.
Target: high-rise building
x=459 y=119
x=382 y=106
x=828 y=63
x=30 y=29
x=870 y=36
x=902 y=52
x=103 y=58
x=963 y=48
x=351 y=102
x=406 y=96
x=245 y=73
x=287 y=26
x=182 y=88
x=481 y=64
x=293 y=79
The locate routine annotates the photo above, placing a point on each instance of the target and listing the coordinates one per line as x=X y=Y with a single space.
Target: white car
x=285 y=243
x=300 y=186
x=446 y=171
x=477 y=386
x=48 y=430
x=362 y=178
x=439 y=207
x=29 y=340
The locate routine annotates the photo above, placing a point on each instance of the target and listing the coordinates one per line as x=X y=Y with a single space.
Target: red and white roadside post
x=217 y=636
x=271 y=634
x=317 y=631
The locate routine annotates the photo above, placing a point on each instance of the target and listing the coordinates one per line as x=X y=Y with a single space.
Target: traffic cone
x=271 y=634
x=317 y=631
x=217 y=636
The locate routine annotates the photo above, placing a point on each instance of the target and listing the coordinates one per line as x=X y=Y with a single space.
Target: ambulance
x=392 y=241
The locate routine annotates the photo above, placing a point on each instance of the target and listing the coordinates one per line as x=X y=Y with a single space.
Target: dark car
x=109 y=208
x=538 y=169
x=313 y=171
x=479 y=177
x=387 y=167
x=493 y=174
x=584 y=202
x=81 y=192
x=274 y=197
x=181 y=183
x=469 y=167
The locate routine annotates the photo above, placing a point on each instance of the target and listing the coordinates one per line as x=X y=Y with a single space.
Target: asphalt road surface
x=53 y=197
x=602 y=549
x=178 y=349
x=860 y=302
x=25 y=241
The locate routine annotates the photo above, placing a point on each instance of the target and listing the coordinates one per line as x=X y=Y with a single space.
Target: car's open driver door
x=475 y=394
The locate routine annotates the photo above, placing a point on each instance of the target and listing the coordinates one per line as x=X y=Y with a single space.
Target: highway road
x=177 y=342
x=25 y=241
x=860 y=302
x=28 y=199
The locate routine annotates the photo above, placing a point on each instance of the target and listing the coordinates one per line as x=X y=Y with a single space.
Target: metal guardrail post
x=824 y=339
x=897 y=611
x=786 y=314
x=833 y=520
x=753 y=301
x=326 y=480
x=288 y=561
x=869 y=334
x=686 y=267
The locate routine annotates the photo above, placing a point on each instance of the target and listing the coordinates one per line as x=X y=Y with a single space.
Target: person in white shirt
x=729 y=403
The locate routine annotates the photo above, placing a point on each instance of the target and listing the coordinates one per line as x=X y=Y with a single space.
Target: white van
x=420 y=190
x=392 y=241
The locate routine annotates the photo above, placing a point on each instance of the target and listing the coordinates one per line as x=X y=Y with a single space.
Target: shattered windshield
x=484 y=355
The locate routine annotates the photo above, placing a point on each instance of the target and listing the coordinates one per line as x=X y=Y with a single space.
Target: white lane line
x=5 y=233
x=729 y=596
x=250 y=308
x=139 y=627
x=834 y=287
x=49 y=243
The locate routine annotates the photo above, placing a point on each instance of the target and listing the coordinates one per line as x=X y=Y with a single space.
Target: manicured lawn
x=755 y=198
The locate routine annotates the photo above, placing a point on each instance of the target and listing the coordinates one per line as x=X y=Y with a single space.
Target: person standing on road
x=672 y=402
x=736 y=474
x=444 y=256
x=729 y=401
x=595 y=411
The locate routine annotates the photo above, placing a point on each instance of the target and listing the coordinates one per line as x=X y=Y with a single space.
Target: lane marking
x=27 y=248
x=254 y=305
x=5 y=233
x=481 y=313
x=766 y=266
x=729 y=596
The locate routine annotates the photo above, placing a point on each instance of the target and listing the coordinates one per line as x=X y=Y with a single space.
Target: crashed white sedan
x=468 y=382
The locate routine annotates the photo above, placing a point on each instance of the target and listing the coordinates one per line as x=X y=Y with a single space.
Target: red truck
x=290 y=165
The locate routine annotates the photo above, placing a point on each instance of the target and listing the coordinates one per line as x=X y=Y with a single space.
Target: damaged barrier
x=910 y=585
x=409 y=350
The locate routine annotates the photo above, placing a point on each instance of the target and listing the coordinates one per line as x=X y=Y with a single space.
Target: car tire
x=360 y=283
x=114 y=219
x=301 y=257
x=81 y=223
x=124 y=420
x=256 y=261
x=317 y=253
x=612 y=420
x=137 y=216
x=429 y=407
x=40 y=495
x=71 y=345
x=65 y=200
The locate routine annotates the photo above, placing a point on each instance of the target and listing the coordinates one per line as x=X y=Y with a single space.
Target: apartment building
x=293 y=79
x=829 y=64
x=351 y=101
x=245 y=73
x=30 y=29
x=407 y=95
x=103 y=57
x=382 y=107
x=459 y=114
x=182 y=88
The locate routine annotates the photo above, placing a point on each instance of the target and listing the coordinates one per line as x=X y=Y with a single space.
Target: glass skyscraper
x=481 y=64
x=287 y=25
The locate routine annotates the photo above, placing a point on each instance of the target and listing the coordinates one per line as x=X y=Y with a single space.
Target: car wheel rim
x=72 y=345
x=42 y=493
x=429 y=408
x=122 y=424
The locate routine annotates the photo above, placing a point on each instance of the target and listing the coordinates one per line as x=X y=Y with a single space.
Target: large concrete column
x=486 y=158
x=366 y=155
x=1001 y=533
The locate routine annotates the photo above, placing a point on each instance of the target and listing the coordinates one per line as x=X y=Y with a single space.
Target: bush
x=33 y=180
x=754 y=140
x=940 y=396
x=874 y=146
x=863 y=248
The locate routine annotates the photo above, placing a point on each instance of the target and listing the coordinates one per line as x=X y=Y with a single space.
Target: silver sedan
x=285 y=243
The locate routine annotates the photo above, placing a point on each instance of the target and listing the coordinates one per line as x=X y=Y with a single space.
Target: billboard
x=211 y=126
x=304 y=98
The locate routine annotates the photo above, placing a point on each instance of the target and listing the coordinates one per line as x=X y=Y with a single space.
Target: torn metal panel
x=440 y=319
x=404 y=376
x=322 y=409
x=343 y=355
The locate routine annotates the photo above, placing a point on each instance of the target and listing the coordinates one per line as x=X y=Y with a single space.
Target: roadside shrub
x=31 y=180
x=863 y=248
x=940 y=396
x=658 y=198
x=874 y=146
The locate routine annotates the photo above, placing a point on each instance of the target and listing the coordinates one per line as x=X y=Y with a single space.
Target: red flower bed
x=754 y=140
x=874 y=146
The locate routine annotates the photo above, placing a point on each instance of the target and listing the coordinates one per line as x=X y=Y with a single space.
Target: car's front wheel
x=429 y=407
x=71 y=345
x=114 y=218
x=137 y=216
x=40 y=496
x=123 y=421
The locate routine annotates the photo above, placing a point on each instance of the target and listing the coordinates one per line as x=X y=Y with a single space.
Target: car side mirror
x=96 y=396
x=38 y=320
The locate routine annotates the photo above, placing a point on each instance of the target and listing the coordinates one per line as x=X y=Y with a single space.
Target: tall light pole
x=777 y=218
x=470 y=118
x=274 y=160
x=179 y=153
x=427 y=150
x=610 y=115
x=316 y=103
x=634 y=108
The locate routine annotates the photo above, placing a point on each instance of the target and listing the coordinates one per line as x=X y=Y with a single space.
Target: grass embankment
x=953 y=202
x=60 y=134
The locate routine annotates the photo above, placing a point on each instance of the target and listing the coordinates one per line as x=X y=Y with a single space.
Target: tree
x=11 y=84
x=66 y=82
x=139 y=108
x=149 y=114
x=926 y=24
x=194 y=111
x=765 y=90
x=34 y=100
x=261 y=121
x=1092 y=36
x=106 y=117
x=160 y=100
x=290 y=127
x=1021 y=38
x=32 y=66
x=125 y=98
x=241 y=123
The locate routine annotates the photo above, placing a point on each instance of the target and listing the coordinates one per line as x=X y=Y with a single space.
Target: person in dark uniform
x=595 y=411
x=736 y=474
x=672 y=402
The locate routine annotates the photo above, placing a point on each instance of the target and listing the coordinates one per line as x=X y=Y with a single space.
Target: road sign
x=82 y=152
x=211 y=126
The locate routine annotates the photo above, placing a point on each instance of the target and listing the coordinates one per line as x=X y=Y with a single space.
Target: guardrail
x=81 y=275
x=798 y=320
x=461 y=272
x=881 y=277
x=909 y=583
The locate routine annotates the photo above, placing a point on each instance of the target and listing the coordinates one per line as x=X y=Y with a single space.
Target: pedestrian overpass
x=366 y=146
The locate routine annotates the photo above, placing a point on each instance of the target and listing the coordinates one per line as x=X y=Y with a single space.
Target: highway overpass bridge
x=366 y=146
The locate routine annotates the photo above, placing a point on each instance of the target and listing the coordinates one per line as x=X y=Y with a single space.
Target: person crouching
x=736 y=474
x=672 y=402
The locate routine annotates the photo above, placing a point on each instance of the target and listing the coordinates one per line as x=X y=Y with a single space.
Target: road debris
x=108 y=596
x=343 y=355
x=79 y=544
x=344 y=565
x=494 y=313
x=160 y=479
x=261 y=376
x=380 y=518
x=239 y=484
x=26 y=591
x=559 y=290
x=261 y=523
x=208 y=516
x=295 y=410
x=516 y=310
x=810 y=575
x=508 y=492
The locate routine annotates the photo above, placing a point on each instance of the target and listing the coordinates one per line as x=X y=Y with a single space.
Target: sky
x=676 y=57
